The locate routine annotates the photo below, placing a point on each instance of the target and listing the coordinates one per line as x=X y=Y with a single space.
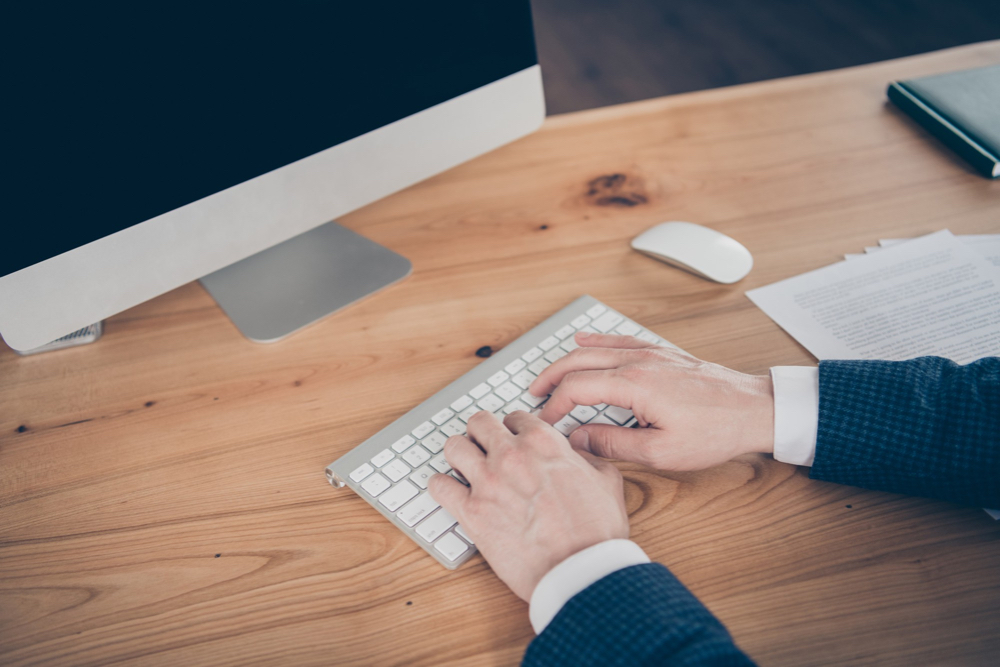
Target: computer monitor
x=152 y=144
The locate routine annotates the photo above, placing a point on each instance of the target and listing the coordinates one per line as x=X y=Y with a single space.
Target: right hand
x=693 y=414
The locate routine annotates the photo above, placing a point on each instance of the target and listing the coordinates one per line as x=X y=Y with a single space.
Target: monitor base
x=295 y=283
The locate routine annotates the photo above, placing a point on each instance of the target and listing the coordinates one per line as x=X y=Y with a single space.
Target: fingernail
x=580 y=440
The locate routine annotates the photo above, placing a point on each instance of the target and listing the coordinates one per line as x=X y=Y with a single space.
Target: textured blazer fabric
x=926 y=427
x=640 y=615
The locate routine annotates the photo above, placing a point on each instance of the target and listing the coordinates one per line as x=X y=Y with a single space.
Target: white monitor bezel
x=85 y=285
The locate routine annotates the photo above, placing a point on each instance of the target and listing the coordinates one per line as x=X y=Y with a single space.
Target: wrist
x=760 y=433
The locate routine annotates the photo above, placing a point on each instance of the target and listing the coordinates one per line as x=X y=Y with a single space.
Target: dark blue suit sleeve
x=640 y=615
x=926 y=427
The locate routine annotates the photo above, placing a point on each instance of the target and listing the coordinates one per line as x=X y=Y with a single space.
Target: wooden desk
x=163 y=498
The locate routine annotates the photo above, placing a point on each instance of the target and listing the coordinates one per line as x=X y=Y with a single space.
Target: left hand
x=532 y=500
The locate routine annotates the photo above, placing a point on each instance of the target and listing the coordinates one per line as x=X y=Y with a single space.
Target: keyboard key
x=508 y=391
x=491 y=402
x=422 y=430
x=583 y=413
x=600 y=406
x=538 y=366
x=514 y=406
x=442 y=416
x=382 y=458
x=565 y=332
x=498 y=378
x=362 y=471
x=394 y=498
x=375 y=485
x=468 y=412
x=416 y=456
x=462 y=403
x=569 y=344
x=555 y=355
x=601 y=419
x=457 y=475
x=607 y=322
x=620 y=415
x=595 y=310
x=422 y=475
x=454 y=427
x=515 y=366
x=434 y=442
x=480 y=390
x=523 y=379
x=532 y=400
x=436 y=526
x=465 y=536
x=580 y=321
x=451 y=547
x=531 y=354
x=566 y=425
x=417 y=510
x=549 y=343
x=627 y=328
x=440 y=463
x=403 y=443
x=396 y=470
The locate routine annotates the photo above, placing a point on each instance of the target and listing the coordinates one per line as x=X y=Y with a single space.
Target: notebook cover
x=962 y=109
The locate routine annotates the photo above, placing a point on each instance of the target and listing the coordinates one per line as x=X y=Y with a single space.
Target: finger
x=637 y=445
x=487 y=431
x=588 y=388
x=631 y=343
x=450 y=493
x=464 y=456
x=602 y=465
x=587 y=339
x=581 y=359
x=520 y=421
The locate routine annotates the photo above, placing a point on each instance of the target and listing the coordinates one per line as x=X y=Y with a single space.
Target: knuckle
x=650 y=354
x=512 y=459
x=631 y=373
x=480 y=417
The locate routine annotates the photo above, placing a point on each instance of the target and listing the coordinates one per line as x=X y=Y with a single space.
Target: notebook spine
x=980 y=158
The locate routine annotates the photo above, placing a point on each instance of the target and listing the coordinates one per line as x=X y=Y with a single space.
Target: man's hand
x=532 y=501
x=693 y=414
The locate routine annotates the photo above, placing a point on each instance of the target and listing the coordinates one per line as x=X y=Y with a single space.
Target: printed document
x=930 y=296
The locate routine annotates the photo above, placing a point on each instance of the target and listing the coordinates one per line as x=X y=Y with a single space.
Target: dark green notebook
x=962 y=109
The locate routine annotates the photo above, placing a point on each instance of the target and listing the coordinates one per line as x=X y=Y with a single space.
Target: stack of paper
x=987 y=244
x=936 y=295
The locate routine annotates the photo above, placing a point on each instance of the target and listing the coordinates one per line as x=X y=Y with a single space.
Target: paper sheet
x=987 y=244
x=930 y=296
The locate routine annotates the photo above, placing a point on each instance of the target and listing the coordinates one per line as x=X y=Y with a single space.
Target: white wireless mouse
x=700 y=250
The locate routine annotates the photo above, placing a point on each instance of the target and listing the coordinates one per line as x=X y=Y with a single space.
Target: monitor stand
x=295 y=283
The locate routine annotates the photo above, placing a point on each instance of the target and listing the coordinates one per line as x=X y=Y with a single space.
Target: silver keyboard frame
x=338 y=472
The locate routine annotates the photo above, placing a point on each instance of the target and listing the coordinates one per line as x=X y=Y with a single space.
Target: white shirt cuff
x=796 y=413
x=577 y=573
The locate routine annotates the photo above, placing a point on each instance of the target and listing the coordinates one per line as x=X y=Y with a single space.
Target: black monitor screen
x=124 y=111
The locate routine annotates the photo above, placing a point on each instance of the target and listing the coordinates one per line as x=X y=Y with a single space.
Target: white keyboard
x=391 y=469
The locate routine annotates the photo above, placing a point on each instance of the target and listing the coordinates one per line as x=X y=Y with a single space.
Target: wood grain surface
x=162 y=497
